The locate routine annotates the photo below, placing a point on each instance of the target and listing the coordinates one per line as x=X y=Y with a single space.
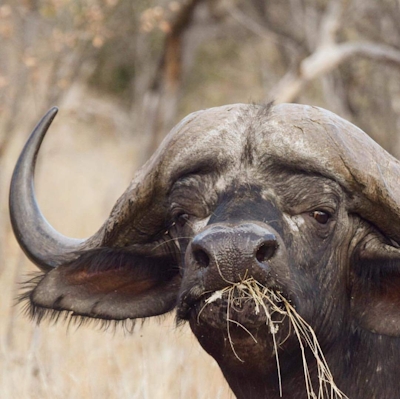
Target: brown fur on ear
x=376 y=288
x=106 y=284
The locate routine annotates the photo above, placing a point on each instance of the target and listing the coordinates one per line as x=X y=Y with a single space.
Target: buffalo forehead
x=304 y=137
x=215 y=135
x=301 y=137
x=210 y=135
x=317 y=140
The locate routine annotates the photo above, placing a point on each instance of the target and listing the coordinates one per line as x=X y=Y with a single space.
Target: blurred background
x=123 y=72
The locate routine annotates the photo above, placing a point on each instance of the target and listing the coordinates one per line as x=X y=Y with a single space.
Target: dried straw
x=271 y=302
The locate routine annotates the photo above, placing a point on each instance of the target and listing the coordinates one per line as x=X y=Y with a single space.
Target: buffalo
x=273 y=230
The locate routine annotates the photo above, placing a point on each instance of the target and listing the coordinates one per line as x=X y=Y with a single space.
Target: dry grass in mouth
x=270 y=302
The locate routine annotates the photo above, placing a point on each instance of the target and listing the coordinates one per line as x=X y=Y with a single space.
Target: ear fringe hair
x=40 y=314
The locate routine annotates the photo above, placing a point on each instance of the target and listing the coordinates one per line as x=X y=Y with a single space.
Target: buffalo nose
x=233 y=249
x=266 y=249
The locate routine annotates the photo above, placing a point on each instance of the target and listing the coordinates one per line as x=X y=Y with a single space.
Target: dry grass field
x=82 y=170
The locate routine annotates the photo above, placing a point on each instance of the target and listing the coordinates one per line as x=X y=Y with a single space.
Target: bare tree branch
x=324 y=60
x=160 y=102
x=329 y=54
x=261 y=30
x=330 y=23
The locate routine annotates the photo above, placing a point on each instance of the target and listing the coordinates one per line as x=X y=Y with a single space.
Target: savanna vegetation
x=123 y=73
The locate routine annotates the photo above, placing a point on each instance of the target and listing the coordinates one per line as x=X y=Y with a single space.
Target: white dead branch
x=327 y=53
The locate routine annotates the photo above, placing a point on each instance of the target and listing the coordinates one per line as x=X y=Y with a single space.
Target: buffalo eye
x=321 y=217
x=181 y=219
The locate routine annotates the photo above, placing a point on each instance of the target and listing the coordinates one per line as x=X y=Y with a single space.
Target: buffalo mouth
x=247 y=303
x=255 y=309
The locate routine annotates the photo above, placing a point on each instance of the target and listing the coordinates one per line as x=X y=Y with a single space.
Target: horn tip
x=53 y=111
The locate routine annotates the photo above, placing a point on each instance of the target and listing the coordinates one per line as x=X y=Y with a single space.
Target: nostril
x=265 y=251
x=201 y=257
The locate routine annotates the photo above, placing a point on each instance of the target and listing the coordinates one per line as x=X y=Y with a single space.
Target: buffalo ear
x=376 y=288
x=106 y=284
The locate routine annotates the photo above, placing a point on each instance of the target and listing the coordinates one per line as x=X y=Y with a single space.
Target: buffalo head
x=274 y=231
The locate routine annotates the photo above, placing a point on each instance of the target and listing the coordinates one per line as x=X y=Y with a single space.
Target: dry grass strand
x=273 y=302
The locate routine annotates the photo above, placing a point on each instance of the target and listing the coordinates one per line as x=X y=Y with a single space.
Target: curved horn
x=43 y=245
x=135 y=218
